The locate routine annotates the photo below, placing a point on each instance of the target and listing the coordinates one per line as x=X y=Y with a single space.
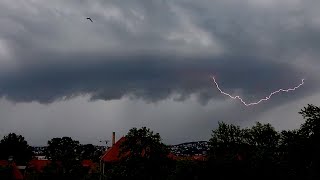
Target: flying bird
x=89 y=19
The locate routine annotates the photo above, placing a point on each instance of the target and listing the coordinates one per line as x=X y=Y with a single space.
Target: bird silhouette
x=89 y=19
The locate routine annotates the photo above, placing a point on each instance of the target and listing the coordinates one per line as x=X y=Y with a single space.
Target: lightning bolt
x=264 y=99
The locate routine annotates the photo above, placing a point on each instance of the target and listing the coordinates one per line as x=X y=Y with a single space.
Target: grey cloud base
x=151 y=78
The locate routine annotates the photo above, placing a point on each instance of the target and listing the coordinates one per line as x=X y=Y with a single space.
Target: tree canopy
x=143 y=156
x=16 y=146
x=143 y=143
x=89 y=152
x=64 y=148
x=65 y=151
x=259 y=150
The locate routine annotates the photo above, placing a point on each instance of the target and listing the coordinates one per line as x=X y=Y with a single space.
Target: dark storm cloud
x=149 y=77
x=153 y=49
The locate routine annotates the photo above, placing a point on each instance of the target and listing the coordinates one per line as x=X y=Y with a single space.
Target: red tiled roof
x=88 y=163
x=199 y=158
x=112 y=154
x=38 y=165
x=16 y=172
x=4 y=163
x=172 y=156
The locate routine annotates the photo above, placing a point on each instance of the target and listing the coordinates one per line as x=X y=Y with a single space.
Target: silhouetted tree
x=263 y=143
x=143 y=156
x=293 y=154
x=87 y=151
x=264 y=153
x=226 y=146
x=310 y=130
x=143 y=143
x=226 y=141
x=91 y=152
x=65 y=151
x=16 y=146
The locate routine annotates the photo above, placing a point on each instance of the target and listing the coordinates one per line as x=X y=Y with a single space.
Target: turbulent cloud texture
x=155 y=50
x=151 y=49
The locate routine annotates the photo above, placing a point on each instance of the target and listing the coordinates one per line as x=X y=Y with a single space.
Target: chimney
x=113 y=138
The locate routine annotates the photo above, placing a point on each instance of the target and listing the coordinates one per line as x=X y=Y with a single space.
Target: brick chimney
x=113 y=138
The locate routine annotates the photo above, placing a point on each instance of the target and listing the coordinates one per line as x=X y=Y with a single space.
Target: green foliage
x=143 y=156
x=226 y=141
x=310 y=131
x=89 y=152
x=311 y=128
x=293 y=153
x=261 y=151
x=143 y=143
x=16 y=146
x=264 y=141
x=258 y=152
x=64 y=148
x=65 y=151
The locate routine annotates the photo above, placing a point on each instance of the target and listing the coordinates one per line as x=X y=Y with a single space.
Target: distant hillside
x=40 y=150
x=183 y=149
x=190 y=148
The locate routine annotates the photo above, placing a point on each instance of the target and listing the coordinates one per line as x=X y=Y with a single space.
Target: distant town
x=195 y=148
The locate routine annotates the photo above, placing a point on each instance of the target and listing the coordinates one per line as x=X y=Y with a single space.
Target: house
x=90 y=165
x=112 y=154
x=38 y=164
x=15 y=172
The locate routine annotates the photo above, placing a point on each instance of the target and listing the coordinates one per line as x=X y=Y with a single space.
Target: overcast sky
x=150 y=62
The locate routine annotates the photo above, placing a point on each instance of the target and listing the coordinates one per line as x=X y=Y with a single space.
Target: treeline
x=65 y=154
x=258 y=152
